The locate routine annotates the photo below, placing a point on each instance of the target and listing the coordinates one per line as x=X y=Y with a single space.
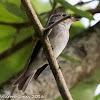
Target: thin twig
x=17 y=25
x=92 y=11
x=51 y=2
x=81 y=2
x=49 y=53
x=53 y=9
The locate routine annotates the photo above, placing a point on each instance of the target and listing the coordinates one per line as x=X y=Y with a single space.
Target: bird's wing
x=33 y=55
x=39 y=71
x=30 y=60
x=35 y=52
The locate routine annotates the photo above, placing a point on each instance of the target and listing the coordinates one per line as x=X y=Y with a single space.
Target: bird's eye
x=64 y=15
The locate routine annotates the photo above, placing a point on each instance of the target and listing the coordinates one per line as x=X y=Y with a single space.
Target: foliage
x=76 y=28
x=97 y=97
x=11 y=11
x=75 y=10
x=14 y=63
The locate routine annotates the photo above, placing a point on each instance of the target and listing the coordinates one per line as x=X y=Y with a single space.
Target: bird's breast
x=59 y=37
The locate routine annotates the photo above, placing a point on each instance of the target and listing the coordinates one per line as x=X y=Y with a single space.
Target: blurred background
x=80 y=61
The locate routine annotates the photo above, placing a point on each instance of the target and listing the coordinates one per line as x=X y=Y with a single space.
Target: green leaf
x=70 y=58
x=75 y=10
x=6 y=37
x=76 y=28
x=12 y=12
x=97 y=97
x=40 y=7
x=14 y=63
x=14 y=9
x=5 y=16
x=17 y=2
x=11 y=65
x=24 y=33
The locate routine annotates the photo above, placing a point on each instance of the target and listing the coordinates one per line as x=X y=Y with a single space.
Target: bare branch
x=81 y=2
x=49 y=53
x=53 y=9
x=92 y=11
x=96 y=10
x=51 y=2
x=33 y=17
x=17 y=25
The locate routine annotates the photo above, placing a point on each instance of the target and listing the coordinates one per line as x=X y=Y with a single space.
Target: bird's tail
x=23 y=81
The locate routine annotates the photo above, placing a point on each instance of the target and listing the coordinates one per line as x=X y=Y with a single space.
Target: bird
x=58 y=36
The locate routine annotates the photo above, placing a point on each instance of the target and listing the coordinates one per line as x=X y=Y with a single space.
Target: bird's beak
x=74 y=19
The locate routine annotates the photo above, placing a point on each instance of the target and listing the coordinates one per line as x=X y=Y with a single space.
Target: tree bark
x=84 y=47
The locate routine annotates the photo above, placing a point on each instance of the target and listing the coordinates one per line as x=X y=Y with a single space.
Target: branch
x=92 y=11
x=49 y=53
x=33 y=17
x=53 y=8
x=28 y=40
x=17 y=25
x=51 y=2
x=96 y=10
x=15 y=48
x=81 y=2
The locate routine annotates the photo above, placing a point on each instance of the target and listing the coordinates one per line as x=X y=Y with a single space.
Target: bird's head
x=55 y=17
